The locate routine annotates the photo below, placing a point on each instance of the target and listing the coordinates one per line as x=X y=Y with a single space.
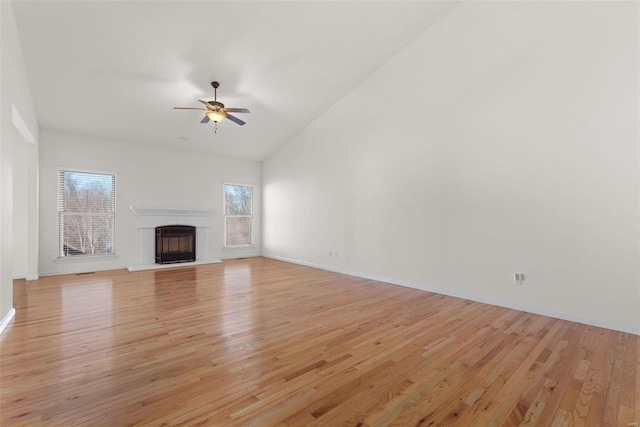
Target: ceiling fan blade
x=188 y=108
x=237 y=110
x=205 y=120
x=235 y=119
x=209 y=106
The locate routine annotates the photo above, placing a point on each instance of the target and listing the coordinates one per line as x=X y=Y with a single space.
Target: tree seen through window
x=86 y=208
x=238 y=209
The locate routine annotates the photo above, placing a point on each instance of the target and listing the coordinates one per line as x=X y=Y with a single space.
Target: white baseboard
x=27 y=277
x=6 y=319
x=239 y=257
x=514 y=306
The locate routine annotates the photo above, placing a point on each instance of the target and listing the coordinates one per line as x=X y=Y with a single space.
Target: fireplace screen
x=175 y=243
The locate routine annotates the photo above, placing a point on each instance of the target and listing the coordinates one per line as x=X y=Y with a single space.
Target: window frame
x=62 y=213
x=224 y=210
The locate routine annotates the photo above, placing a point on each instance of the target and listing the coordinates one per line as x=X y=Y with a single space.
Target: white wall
x=14 y=156
x=33 y=228
x=145 y=177
x=25 y=209
x=6 y=195
x=503 y=139
x=20 y=225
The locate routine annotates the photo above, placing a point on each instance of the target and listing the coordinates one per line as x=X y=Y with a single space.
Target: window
x=238 y=215
x=86 y=213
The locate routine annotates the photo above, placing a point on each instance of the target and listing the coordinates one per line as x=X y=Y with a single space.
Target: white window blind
x=238 y=215
x=86 y=212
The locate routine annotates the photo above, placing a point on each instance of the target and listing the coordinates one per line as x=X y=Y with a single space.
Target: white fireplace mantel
x=156 y=217
x=138 y=211
x=150 y=218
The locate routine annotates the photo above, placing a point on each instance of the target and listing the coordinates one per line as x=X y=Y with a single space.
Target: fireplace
x=175 y=243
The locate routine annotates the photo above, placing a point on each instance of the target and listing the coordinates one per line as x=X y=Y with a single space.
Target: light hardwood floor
x=262 y=342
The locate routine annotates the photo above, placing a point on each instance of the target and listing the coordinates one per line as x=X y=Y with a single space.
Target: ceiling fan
x=216 y=111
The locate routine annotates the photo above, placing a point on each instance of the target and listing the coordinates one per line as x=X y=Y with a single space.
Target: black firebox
x=175 y=243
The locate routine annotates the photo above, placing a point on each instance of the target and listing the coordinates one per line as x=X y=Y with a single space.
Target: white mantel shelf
x=138 y=211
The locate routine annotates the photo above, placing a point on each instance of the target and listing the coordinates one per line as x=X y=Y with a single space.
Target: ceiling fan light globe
x=216 y=116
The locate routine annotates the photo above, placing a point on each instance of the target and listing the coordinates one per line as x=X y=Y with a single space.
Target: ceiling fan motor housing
x=214 y=104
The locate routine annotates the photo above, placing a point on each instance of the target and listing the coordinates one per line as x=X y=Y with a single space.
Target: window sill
x=85 y=258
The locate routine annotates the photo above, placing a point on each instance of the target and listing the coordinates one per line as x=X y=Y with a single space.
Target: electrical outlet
x=330 y=254
x=518 y=278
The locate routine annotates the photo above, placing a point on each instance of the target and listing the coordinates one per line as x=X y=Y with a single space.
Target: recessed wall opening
x=175 y=244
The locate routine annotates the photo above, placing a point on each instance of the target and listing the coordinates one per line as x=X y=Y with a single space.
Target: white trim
x=236 y=247
x=224 y=212
x=21 y=126
x=80 y=170
x=28 y=277
x=239 y=255
x=514 y=306
x=7 y=319
x=62 y=213
x=81 y=269
x=84 y=258
x=142 y=267
x=238 y=183
x=139 y=211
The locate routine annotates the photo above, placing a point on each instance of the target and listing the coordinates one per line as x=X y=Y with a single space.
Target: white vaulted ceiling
x=116 y=69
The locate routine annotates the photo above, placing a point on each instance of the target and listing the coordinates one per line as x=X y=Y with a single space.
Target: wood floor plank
x=267 y=343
